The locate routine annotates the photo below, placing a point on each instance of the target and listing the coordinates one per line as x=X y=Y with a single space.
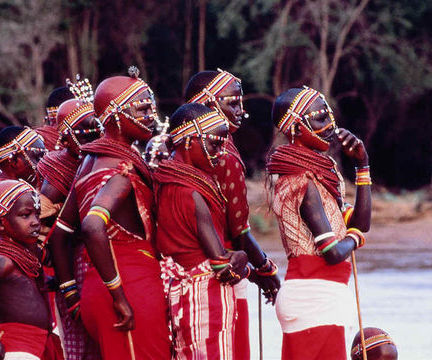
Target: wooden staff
x=129 y=334
x=362 y=338
x=260 y=325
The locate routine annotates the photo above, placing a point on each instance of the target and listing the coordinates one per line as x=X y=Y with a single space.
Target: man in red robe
x=222 y=91
x=191 y=228
x=122 y=302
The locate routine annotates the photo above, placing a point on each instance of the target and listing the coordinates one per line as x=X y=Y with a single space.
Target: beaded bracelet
x=357 y=236
x=218 y=264
x=75 y=310
x=268 y=269
x=327 y=245
x=103 y=213
x=67 y=283
x=347 y=212
x=363 y=176
x=114 y=283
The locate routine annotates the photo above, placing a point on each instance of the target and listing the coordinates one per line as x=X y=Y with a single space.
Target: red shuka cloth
x=325 y=342
x=31 y=339
x=140 y=274
x=230 y=175
x=176 y=233
x=296 y=160
x=315 y=267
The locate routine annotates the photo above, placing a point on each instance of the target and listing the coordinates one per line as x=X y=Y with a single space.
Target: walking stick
x=129 y=334
x=260 y=325
x=363 y=344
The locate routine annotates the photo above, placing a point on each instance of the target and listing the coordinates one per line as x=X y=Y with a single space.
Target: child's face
x=22 y=223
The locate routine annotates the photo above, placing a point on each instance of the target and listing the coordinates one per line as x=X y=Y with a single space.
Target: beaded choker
x=21 y=143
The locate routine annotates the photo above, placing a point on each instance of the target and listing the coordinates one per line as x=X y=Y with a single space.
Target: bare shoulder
x=6 y=266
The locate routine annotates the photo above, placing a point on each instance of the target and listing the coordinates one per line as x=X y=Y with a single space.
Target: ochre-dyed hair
x=282 y=103
x=198 y=82
x=187 y=112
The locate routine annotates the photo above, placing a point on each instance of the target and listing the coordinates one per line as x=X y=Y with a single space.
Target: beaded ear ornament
x=154 y=153
x=36 y=200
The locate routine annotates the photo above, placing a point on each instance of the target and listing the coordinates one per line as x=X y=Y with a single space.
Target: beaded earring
x=187 y=143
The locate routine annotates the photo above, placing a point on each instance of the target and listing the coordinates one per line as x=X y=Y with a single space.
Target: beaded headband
x=11 y=194
x=51 y=114
x=371 y=343
x=214 y=87
x=120 y=103
x=296 y=112
x=198 y=127
x=75 y=117
x=21 y=143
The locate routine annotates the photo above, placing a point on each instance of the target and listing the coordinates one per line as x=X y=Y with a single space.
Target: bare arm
x=312 y=212
x=212 y=245
x=354 y=148
x=93 y=228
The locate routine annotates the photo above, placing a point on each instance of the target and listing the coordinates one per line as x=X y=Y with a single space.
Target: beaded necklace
x=21 y=256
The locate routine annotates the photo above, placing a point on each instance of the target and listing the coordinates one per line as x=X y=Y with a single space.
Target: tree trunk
x=72 y=51
x=202 y=35
x=187 y=58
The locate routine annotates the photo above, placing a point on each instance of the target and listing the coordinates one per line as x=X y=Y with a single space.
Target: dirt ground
x=399 y=222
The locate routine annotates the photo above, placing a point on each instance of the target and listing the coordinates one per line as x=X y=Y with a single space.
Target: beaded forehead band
x=51 y=116
x=21 y=143
x=371 y=343
x=198 y=127
x=215 y=87
x=296 y=112
x=10 y=195
x=122 y=102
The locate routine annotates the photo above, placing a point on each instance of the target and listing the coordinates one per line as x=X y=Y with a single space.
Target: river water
x=395 y=288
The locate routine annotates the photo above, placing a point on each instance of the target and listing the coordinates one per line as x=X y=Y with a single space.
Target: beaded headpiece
x=21 y=144
x=200 y=128
x=82 y=89
x=72 y=112
x=11 y=191
x=51 y=116
x=371 y=342
x=214 y=87
x=122 y=102
x=296 y=114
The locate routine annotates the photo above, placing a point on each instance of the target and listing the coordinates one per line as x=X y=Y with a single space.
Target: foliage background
x=372 y=59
